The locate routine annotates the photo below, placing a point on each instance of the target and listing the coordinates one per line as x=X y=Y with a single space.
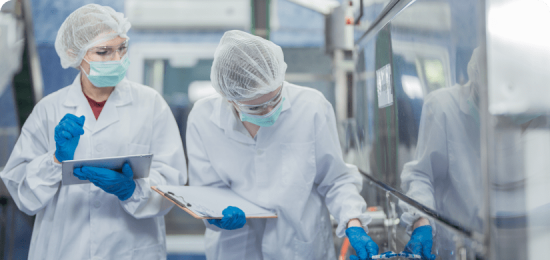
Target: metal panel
x=518 y=44
x=424 y=148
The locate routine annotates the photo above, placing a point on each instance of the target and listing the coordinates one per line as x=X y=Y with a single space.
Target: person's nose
x=116 y=55
x=268 y=110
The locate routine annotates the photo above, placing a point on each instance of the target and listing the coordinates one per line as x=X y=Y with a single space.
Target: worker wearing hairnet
x=275 y=144
x=100 y=114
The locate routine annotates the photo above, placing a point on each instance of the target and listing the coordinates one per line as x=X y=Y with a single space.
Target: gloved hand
x=66 y=135
x=421 y=242
x=233 y=218
x=362 y=243
x=120 y=184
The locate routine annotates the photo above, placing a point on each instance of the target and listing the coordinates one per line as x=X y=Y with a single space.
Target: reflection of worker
x=275 y=144
x=99 y=115
x=445 y=174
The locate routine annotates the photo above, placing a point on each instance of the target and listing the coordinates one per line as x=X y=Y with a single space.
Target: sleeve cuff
x=365 y=219
x=45 y=171
x=410 y=218
x=141 y=194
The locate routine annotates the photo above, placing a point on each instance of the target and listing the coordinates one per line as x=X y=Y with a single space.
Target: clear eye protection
x=107 y=53
x=260 y=108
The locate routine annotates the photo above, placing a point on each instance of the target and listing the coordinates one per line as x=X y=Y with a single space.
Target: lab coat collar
x=121 y=96
x=286 y=95
x=224 y=118
x=466 y=93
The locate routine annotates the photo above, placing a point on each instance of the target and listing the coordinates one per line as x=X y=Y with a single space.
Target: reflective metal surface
x=517 y=44
x=462 y=139
x=418 y=120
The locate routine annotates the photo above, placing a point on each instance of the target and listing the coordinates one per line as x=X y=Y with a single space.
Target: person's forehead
x=112 y=42
x=263 y=98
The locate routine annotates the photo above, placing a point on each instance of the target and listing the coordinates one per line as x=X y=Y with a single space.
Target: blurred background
x=427 y=95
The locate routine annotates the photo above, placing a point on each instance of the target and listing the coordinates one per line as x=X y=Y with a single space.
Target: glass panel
x=425 y=136
x=391 y=233
x=371 y=10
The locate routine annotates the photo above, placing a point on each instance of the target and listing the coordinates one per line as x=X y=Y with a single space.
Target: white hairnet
x=246 y=66
x=86 y=27
x=474 y=71
x=474 y=74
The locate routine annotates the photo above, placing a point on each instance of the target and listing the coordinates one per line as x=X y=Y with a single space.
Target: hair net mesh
x=246 y=66
x=85 y=27
x=474 y=70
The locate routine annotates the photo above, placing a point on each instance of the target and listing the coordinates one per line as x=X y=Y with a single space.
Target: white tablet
x=141 y=164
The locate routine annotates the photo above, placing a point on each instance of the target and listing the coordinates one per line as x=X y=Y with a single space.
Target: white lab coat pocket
x=150 y=252
x=233 y=243
x=298 y=164
x=310 y=250
x=137 y=149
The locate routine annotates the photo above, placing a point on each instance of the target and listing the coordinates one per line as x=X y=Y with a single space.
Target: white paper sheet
x=210 y=201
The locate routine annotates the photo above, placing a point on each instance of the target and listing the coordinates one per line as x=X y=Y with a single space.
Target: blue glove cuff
x=130 y=192
x=424 y=230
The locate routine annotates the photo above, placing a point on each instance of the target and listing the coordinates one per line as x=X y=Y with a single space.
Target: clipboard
x=209 y=202
x=140 y=164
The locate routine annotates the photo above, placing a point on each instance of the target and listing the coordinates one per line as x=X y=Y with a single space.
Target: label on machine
x=384 y=86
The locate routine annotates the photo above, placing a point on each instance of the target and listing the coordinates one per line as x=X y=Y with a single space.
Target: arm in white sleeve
x=201 y=172
x=168 y=166
x=431 y=162
x=31 y=175
x=338 y=182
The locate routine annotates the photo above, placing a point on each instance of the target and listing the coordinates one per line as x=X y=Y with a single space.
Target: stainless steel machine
x=446 y=115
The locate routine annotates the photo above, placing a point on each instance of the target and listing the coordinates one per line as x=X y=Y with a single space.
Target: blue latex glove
x=233 y=218
x=362 y=243
x=66 y=135
x=120 y=184
x=421 y=242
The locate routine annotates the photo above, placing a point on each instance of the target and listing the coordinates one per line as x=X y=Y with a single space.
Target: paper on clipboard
x=209 y=202
x=140 y=164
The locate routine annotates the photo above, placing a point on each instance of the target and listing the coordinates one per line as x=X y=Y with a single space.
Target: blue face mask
x=263 y=120
x=107 y=73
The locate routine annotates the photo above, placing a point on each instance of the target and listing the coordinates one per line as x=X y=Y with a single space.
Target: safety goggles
x=258 y=109
x=107 y=53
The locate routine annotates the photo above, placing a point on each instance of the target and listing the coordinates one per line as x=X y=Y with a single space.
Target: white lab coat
x=83 y=221
x=446 y=172
x=294 y=167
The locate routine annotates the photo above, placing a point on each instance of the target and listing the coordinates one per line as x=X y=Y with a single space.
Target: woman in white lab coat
x=275 y=144
x=99 y=115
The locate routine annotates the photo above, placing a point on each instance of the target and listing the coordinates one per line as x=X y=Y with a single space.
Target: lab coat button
x=99 y=148
x=259 y=152
x=97 y=204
